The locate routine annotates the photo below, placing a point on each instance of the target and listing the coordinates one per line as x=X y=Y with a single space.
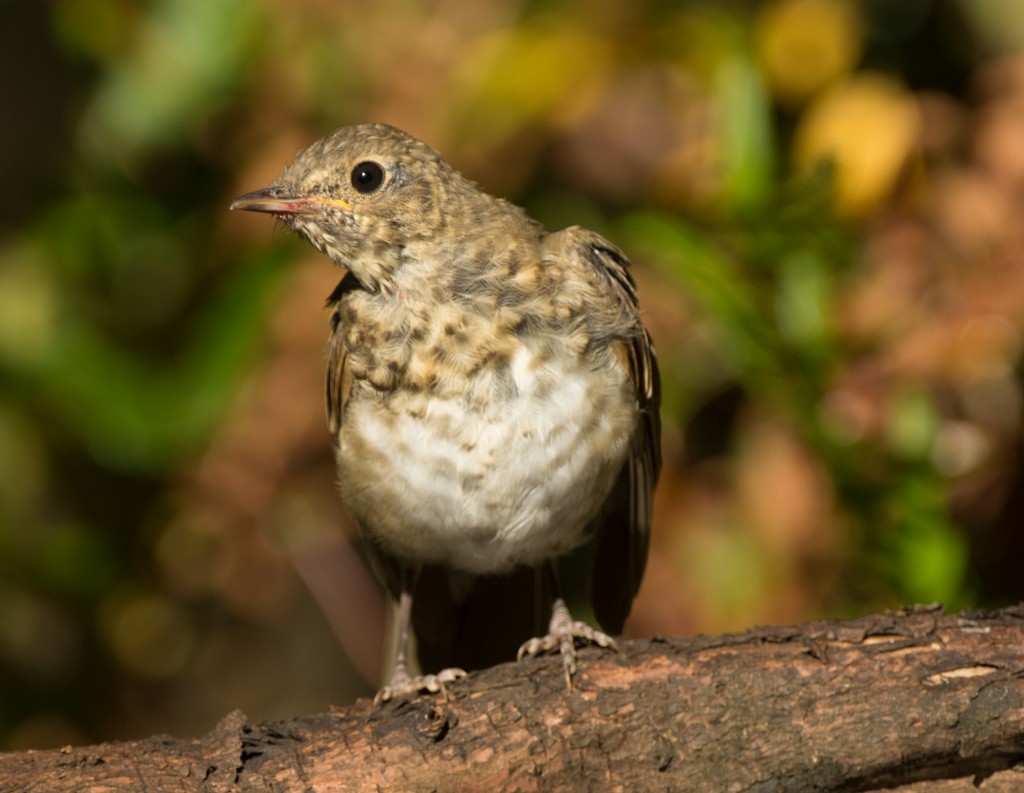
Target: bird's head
x=363 y=195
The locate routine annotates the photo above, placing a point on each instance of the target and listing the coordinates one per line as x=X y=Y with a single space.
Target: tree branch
x=913 y=701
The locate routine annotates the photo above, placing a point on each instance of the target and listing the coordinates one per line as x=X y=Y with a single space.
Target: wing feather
x=338 y=388
x=624 y=524
x=338 y=384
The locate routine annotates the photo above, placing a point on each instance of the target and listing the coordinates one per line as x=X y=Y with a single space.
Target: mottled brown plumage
x=493 y=392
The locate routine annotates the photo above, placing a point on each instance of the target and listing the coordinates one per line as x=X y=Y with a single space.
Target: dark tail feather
x=477 y=623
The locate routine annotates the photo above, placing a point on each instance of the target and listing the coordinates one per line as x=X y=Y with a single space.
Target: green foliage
x=767 y=282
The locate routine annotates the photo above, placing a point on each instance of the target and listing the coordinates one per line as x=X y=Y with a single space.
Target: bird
x=494 y=396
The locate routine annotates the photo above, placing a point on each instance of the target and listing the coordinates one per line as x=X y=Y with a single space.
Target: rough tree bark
x=912 y=701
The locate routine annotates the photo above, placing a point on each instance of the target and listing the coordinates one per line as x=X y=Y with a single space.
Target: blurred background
x=822 y=199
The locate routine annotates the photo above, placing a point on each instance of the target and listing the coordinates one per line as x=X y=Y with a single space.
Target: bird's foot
x=563 y=631
x=403 y=684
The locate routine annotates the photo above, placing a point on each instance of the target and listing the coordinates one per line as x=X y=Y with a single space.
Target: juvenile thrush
x=493 y=392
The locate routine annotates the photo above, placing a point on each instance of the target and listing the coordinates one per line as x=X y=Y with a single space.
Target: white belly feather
x=483 y=490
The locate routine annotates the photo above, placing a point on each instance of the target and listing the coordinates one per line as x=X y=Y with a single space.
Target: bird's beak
x=270 y=201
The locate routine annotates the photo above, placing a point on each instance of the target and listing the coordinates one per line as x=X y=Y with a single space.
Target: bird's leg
x=563 y=631
x=402 y=683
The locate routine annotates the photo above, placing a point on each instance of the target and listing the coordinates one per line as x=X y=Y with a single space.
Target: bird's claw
x=402 y=684
x=563 y=631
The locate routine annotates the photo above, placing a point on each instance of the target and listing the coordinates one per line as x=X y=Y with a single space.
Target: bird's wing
x=339 y=378
x=624 y=523
x=338 y=387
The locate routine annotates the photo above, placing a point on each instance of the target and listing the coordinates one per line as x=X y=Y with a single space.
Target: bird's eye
x=367 y=177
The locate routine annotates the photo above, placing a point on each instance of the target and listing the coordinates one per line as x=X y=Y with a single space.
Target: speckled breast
x=506 y=469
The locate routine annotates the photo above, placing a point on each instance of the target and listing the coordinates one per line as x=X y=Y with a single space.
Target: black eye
x=367 y=177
